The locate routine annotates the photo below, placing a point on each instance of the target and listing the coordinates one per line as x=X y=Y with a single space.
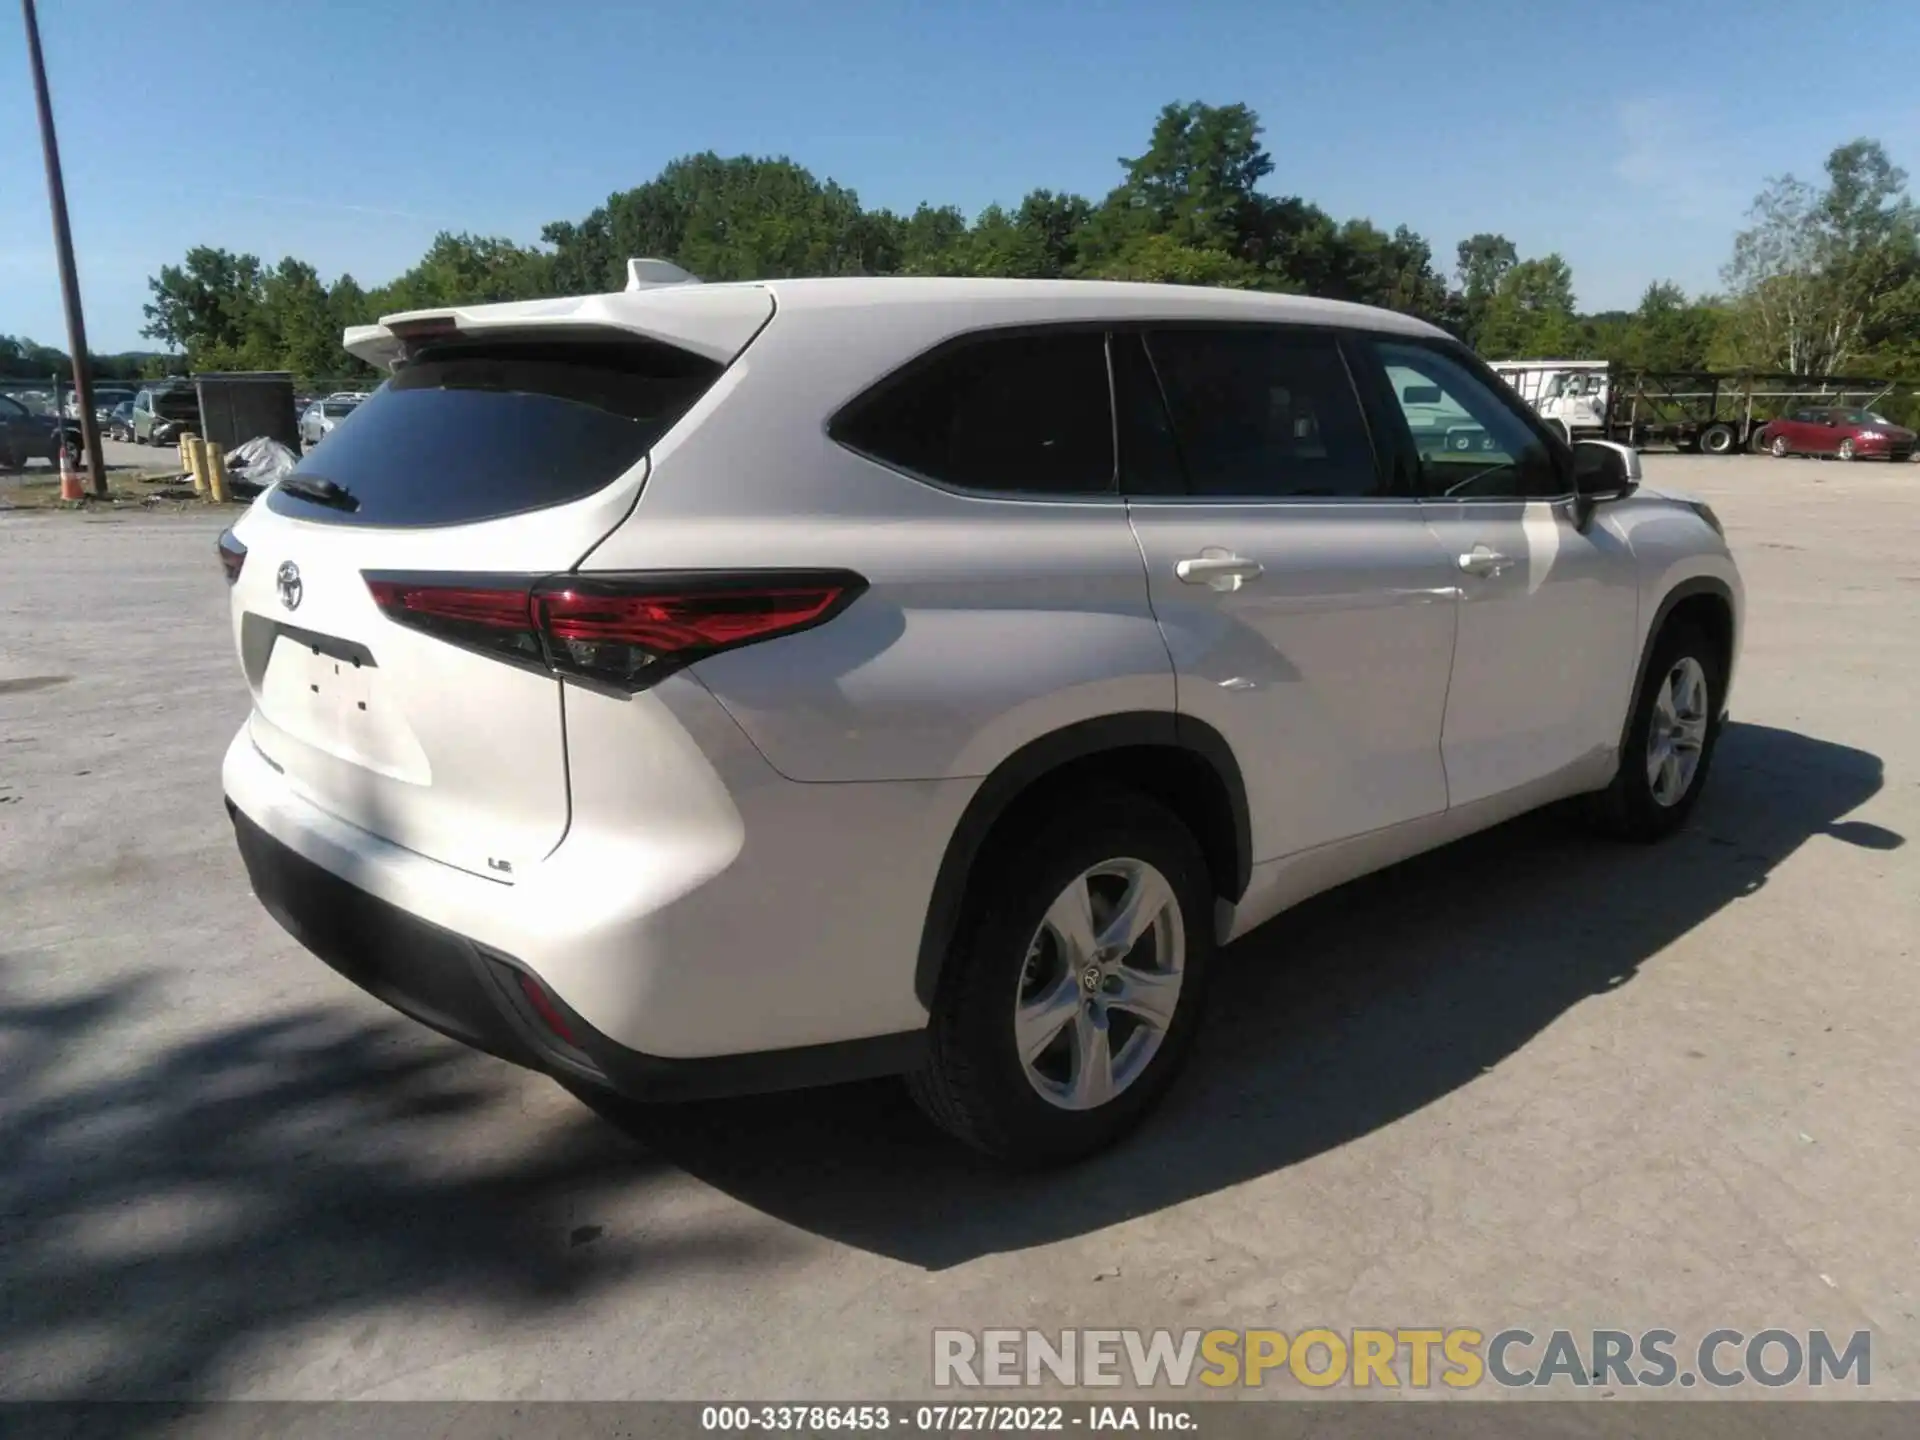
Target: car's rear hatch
x=494 y=451
x=176 y=404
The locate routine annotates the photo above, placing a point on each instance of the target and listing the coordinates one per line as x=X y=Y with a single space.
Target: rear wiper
x=320 y=491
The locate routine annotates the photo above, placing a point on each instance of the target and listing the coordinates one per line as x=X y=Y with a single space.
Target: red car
x=1848 y=433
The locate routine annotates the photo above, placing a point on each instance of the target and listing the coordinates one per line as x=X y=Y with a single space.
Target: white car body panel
x=1546 y=648
x=1328 y=673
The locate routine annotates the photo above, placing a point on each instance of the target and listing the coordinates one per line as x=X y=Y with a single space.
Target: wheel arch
x=1184 y=763
x=1706 y=600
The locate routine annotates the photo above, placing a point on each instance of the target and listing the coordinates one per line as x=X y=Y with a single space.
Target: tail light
x=233 y=555
x=623 y=631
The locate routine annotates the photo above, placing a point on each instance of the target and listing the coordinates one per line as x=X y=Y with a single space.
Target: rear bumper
x=467 y=991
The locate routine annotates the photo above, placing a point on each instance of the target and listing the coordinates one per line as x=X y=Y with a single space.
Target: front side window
x=1263 y=414
x=1026 y=414
x=1470 y=445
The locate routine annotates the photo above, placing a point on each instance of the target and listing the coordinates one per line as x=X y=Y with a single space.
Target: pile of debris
x=258 y=463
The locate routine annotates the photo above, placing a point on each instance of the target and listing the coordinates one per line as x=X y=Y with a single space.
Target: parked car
x=322 y=415
x=937 y=690
x=119 y=424
x=1843 y=432
x=163 y=412
x=27 y=435
x=104 y=399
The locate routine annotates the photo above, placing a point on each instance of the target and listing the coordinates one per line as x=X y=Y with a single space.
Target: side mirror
x=1602 y=471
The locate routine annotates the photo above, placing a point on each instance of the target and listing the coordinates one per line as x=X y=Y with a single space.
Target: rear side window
x=1261 y=413
x=473 y=432
x=1026 y=414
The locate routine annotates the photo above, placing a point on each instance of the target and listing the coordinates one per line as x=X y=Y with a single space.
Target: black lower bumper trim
x=468 y=992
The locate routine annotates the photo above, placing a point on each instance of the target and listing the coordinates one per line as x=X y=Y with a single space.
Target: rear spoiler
x=375 y=344
x=718 y=325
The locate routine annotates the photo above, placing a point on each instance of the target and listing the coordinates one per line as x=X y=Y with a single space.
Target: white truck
x=1570 y=394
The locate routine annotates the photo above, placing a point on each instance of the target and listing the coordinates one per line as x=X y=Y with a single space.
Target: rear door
x=1309 y=610
x=484 y=457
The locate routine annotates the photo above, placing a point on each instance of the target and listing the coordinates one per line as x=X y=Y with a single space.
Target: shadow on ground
x=1337 y=1018
x=161 y=1219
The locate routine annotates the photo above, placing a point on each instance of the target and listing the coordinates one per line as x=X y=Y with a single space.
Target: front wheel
x=1670 y=740
x=1845 y=452
x=1071 y=995
x=1779 y=447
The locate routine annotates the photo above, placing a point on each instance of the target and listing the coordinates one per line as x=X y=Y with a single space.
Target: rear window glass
x=475 y=432
x=1027 y=414
x=176 y=404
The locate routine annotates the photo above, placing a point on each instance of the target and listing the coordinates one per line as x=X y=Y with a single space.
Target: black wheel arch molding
x=1689 y=589
x=1057 y=754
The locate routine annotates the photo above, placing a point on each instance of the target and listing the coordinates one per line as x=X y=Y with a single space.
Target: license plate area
x=327 y=693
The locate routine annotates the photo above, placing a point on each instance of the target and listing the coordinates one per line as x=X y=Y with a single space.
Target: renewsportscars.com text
x=1458 y=1358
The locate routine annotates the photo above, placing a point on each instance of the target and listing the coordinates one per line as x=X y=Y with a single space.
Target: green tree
x=1666 y=331
x=467 y=270
x=207 y=307
x=743 y=218
x=1164 y=259
x=1819 y=276
x=1481 y=262
x=1531 y=313
x=294 y=321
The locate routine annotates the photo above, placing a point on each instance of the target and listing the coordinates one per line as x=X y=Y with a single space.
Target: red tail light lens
x=490 y=614
x=233 y=555
x=624 y=631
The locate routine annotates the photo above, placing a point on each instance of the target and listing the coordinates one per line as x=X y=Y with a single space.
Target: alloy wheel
x=1100 y=985
x=1678 y=733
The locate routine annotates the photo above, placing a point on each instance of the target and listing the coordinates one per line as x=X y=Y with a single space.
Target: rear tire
x=1845 y=452
x=1670 y=740
x=1717 y=440
x=1015 y=980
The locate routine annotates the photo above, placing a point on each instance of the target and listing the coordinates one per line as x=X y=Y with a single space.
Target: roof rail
x=651 y=274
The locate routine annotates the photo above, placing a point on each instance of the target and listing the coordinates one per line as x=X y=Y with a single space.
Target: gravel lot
x=1531 y=1080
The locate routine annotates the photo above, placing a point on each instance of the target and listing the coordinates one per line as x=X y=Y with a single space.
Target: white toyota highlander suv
x=711 y=688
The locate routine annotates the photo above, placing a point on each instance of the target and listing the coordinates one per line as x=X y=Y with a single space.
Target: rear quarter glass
x=472 y=432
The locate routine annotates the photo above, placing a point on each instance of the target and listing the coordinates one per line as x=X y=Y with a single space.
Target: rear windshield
x=176 y=404
x=474 y=432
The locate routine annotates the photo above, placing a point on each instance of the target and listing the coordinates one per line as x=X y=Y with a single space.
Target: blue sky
x=348 y=132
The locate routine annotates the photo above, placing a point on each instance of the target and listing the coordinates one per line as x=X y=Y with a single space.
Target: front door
x=1549 y=609
x=1308 y=609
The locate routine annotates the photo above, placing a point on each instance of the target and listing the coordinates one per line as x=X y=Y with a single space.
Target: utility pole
x=63 y=245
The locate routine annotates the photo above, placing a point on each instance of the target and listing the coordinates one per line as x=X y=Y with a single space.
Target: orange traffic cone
x=71 y=487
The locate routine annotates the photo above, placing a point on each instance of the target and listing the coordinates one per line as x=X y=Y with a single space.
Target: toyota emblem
x=287 y=582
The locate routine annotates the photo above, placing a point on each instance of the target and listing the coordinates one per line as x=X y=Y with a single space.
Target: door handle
x=1219 y=569
x=1483 y=561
